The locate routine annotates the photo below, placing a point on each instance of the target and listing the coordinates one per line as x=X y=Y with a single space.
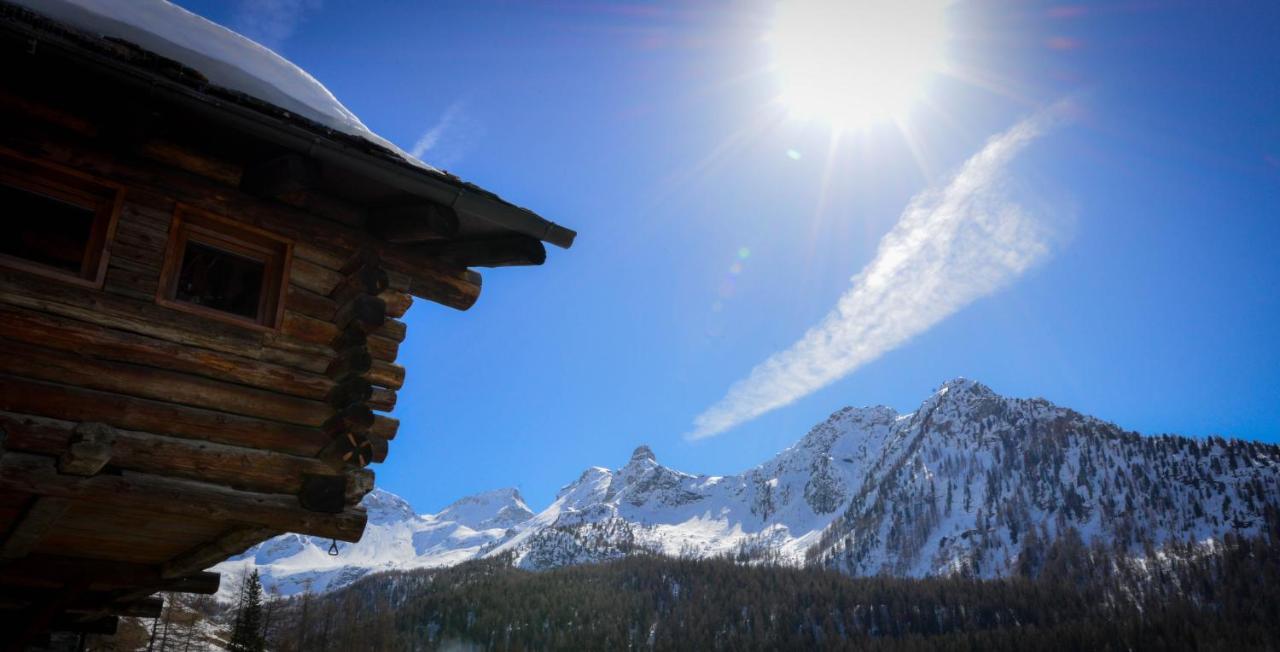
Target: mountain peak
x=960 y=384
x=495 y=508
x=643 y=453
x=385 y=507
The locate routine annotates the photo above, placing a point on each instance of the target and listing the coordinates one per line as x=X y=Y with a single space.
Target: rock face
x=971 y=482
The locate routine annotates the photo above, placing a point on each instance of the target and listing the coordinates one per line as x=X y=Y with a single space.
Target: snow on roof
x=226 y=58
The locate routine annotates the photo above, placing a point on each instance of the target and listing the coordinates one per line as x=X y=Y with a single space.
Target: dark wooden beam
x=38 y=475
x=39 y=519
x=238 y=467
x=323 y=493
x=204 y=556
x=274 y=178
x=414 y=222
x=52 y=572
x=504 y=251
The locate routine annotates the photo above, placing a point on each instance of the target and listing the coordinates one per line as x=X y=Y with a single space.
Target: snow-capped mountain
x=395 y=538
x=970 y=482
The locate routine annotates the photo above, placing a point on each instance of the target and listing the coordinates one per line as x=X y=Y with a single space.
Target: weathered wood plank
x=41 y=516
x=238 y=467
x=21 y=325
x=162 y=385
x=37 y=474
x=310 y=276
x=384 y=427
x=50 y=571
x=398 y=303
x=309 y=303
x=386 y=374
x=147 y=318
x=54 y=400
x=233 y=542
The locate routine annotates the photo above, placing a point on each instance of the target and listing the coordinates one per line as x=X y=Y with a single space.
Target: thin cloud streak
x=431 y=137
x=953 y=244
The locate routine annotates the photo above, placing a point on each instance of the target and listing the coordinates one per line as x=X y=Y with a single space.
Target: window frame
x=237 y=238
x=104 y=198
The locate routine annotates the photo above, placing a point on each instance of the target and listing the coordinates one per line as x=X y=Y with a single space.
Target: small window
x=55 y=222
x=224 y=269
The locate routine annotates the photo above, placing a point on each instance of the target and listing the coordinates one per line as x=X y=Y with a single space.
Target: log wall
x=205 y=436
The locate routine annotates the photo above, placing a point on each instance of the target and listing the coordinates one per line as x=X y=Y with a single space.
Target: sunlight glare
x=857 y=62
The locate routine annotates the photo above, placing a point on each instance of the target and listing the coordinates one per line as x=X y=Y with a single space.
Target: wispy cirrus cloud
x=430 y=138
x=271 y=22
x=954 y=243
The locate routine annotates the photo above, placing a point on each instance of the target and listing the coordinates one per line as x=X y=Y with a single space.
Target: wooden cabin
x=200 y=303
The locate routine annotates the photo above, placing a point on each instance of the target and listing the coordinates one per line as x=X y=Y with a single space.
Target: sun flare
x=857 y=62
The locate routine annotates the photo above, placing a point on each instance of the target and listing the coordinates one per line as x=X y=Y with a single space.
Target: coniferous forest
x=1067 y=595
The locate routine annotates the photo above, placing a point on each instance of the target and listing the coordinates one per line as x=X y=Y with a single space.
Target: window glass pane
x=44 y=230
x=220 y=280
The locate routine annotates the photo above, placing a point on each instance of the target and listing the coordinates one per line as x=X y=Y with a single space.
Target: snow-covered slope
x=967 y=483
x=395 y=538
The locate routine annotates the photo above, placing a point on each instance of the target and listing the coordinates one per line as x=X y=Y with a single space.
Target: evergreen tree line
x=1066 y=595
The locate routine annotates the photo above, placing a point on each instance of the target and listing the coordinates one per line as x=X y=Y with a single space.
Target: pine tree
x=246 y=636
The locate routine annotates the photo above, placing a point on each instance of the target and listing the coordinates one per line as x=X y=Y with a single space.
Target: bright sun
x=856 y=62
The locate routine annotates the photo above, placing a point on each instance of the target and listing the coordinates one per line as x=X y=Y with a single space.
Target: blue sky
x=715 y=229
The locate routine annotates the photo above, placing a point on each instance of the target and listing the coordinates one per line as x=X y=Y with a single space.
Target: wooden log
x=281 y=175
x=368 y=313
x=295 y=179
x=147 y=318
x=504 y=251
x=350 y=391
x=329 y=258
x=137 y=608
x=354 y=418
x=88 y=449
x=393 y=330
x=306 y=302
x=378 y=448
x=37 y=474
x=237 y=467
x=159 y=384
x=382 y=348
x=349 y=449
x=186 y=158
x=398 y=303
x=40 y=517
x=386 y=374
x=364 y=276
x=233 y=542
x=313 y=277
x=323 y=493
x=382 y=399
x=359 y=483
x=27 y=326
x=309 y=329
x=414 y=222
x=52 y=571
x=54 y=400
x=354 y=361
x=89 y=603
x=384 y=427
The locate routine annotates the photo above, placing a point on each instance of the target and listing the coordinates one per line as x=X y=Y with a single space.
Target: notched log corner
x=89 y=450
